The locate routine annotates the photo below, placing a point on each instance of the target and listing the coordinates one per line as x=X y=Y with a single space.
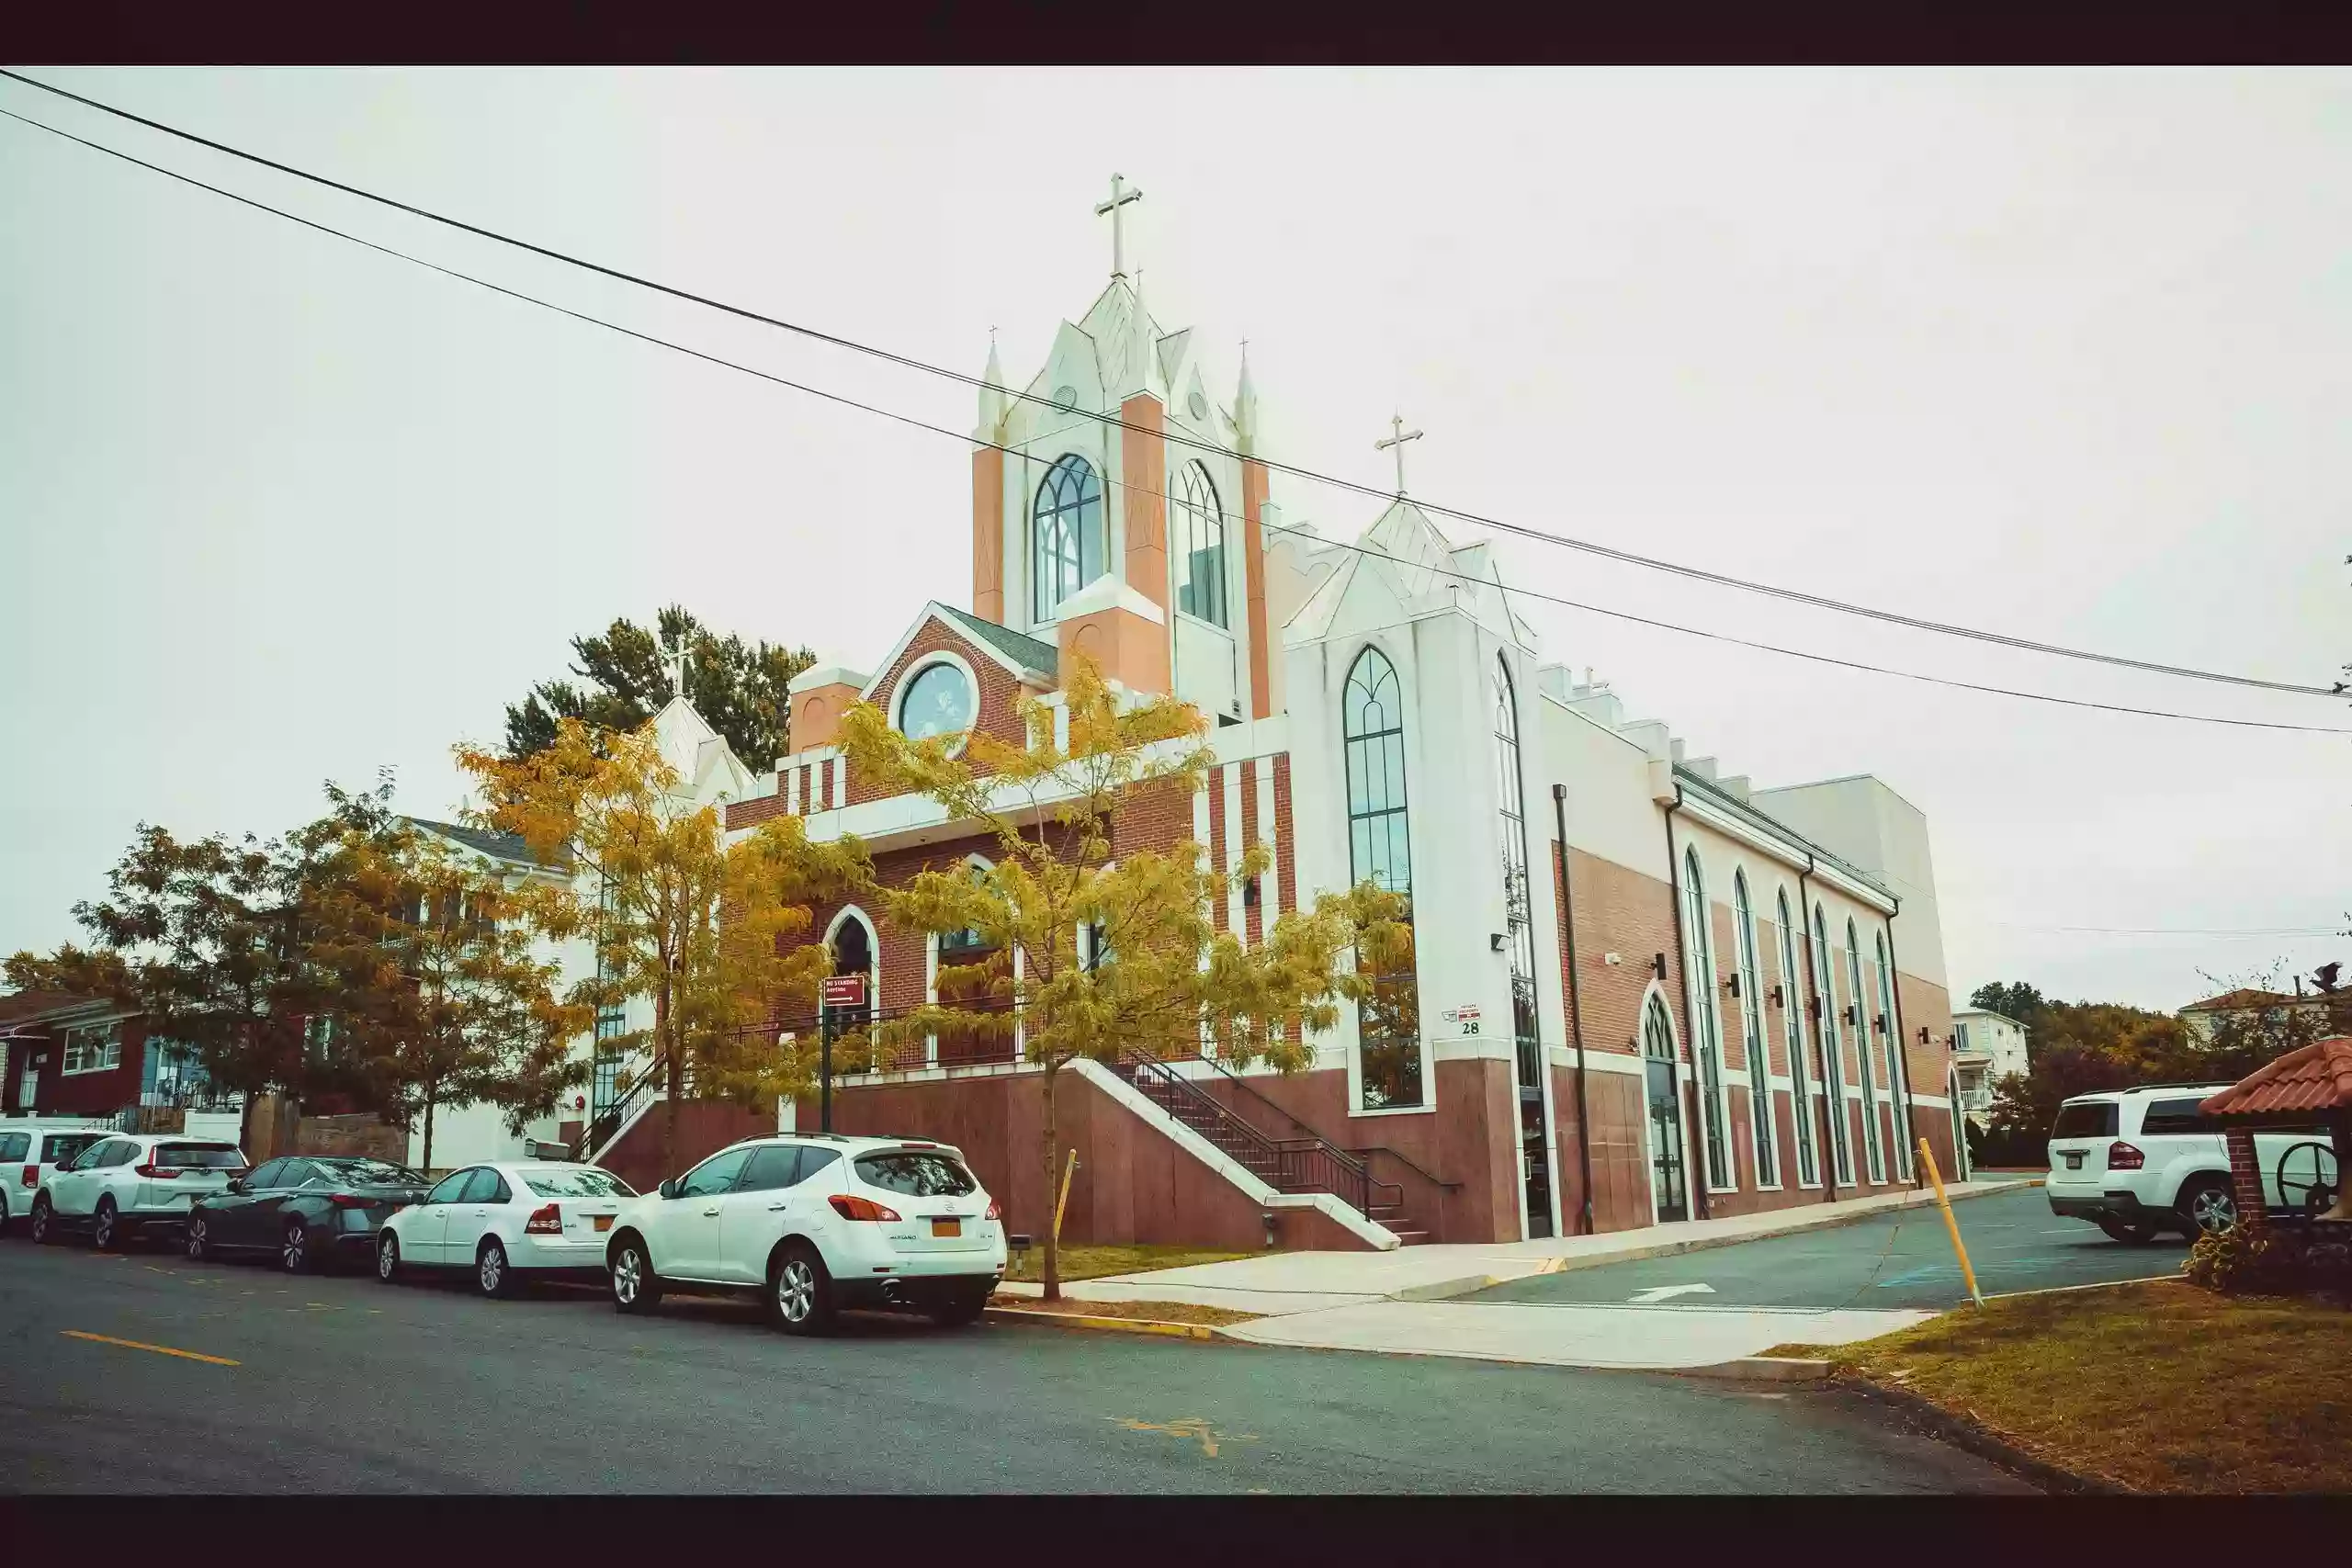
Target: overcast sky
x=2065 y=354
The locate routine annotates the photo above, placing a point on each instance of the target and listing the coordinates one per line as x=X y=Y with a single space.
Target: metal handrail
x=1312 y=1164
x=1409 y=1164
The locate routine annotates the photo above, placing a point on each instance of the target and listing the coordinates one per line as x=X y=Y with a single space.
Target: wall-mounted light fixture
x=1732 y=984
x=1657 y=966
x=1852 y=1015
x=1494 y=942
x=1775 y=998
x=1923 y=1034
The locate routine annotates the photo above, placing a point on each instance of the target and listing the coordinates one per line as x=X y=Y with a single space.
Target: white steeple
x=993 y=398
x=1245 y=405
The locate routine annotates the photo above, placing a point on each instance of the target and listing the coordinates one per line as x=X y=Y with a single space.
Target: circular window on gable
x=1066 y=398
x=937 y=699
x=1198 y=404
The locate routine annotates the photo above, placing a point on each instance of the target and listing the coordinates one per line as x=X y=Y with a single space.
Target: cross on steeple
x=1120 y=197
x=675 y=663
x=1397 y=440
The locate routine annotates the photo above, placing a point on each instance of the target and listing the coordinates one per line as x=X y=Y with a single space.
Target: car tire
x=2208 y=1207
x=44 y=1221
x=963 y=1305
x=388 y=1258
x=629 y=1270
x=294 y=1248
x=2138 y=1232
x=198 y=1245
x=104 y=1225
x=494 y=1274
x=801 y=1293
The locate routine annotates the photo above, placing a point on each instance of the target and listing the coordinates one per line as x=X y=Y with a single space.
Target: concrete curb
x=1445 y=1290
x=1761 y=1368
x=1108 y=1324
x=1963 y=1433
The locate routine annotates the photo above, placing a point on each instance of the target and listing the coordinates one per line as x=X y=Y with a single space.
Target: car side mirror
x=669 y=1187
x=237 y=1184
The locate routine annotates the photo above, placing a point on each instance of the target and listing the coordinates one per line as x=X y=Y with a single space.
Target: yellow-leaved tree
x=1154 y=975
x=712 y=934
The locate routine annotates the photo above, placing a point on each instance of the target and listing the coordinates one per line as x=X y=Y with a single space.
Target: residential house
x=1987 y=1047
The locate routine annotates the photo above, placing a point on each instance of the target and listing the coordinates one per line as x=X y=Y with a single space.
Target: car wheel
x=801 y=1293
x=2209 y=1207
x=963 y=1305
x=199 y=1239
x=493 y=1275
x=2137 y=1231
x=44 y=1221
x=103 y=1225
x=635 y=1287
x=294 y=1248
x=388 y=1258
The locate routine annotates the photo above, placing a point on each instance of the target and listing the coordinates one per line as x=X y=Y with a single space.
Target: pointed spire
x=992 y=399
x=1245 y=404
x=1135 y=356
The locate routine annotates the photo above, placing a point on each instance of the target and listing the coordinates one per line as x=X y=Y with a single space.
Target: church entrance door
x=1667 y=1180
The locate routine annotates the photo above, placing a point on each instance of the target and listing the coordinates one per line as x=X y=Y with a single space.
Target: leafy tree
x=444 y=1002
x=739 y=688
x=2010 y=998
x=2244 y=1040
x=1161 y=979
x=713 y=935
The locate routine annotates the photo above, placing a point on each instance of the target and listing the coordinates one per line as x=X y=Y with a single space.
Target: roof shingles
x=2316 y=1078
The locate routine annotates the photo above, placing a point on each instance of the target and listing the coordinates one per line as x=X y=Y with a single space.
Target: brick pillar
x=2246 y=1180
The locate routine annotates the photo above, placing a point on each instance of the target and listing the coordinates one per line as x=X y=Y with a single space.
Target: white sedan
x=507 y=1222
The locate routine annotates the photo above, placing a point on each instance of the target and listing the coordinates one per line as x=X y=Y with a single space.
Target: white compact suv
x=128 y=1183
x=2138 y=1162
x=30 y=1151
x=816 y=1222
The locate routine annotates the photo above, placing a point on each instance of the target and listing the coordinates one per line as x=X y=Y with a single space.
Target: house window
x=1801 y=1108
x=1380 y=852
x=1698 y=940
x=94 y=1048
x=1066 y=534
x=1751 y=1013
x=1199 y=547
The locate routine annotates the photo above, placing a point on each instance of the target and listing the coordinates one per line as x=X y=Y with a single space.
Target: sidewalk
x=1400 y=1302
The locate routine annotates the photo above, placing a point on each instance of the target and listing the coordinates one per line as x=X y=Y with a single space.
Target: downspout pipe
x=1833 y=1086
x=1690 y=1022
x=1576 y=1005
x=1901 y=1059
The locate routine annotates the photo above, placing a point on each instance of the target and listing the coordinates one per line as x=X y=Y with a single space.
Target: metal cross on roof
x=1397 y=440
x=1119 y=198
x=675 y=663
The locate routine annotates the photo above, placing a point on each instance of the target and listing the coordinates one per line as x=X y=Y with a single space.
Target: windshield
x=575 y=1181
x=198 y=1157
x=916 y=1175
x=371 y=1172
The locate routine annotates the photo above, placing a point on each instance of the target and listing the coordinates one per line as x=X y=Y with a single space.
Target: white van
x=2138 y=1162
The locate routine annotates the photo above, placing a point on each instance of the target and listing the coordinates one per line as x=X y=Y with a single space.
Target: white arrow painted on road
x=1660 y=1293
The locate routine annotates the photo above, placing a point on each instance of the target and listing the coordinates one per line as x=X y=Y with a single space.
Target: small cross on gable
x=1397 y=439
x=1120 y=197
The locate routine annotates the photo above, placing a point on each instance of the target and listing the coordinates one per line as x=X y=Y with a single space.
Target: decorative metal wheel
x=629 y=1276
x=296 y=1250
x=796 y=1290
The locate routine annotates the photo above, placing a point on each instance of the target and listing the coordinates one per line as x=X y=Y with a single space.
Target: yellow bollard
x=1929 y=1155
x=1068 y=1172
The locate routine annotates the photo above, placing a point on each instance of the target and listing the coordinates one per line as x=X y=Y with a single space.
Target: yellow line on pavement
x=159 y=1349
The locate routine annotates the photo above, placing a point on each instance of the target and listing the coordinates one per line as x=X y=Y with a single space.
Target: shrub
x=2270 y=1262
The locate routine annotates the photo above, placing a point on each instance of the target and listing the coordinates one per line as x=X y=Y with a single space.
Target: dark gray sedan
x=307 y=1210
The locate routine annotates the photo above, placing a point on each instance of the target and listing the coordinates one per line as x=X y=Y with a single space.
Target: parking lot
x=140 y=1371
x=1901 y=1260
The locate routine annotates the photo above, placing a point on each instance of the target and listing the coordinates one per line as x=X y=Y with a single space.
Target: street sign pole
x=825 y=1073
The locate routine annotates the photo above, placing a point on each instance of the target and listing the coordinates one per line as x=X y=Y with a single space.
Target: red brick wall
x=1622 y=911
x=1285 y=838
x=1253 y=929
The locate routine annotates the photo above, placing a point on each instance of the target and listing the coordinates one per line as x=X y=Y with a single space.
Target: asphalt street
x=1902 y=1259
x=339 y=1384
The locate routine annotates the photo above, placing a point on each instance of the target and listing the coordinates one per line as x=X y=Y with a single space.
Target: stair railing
x=1308 y=1164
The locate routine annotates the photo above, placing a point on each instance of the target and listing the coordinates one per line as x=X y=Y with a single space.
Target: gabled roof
x=27 y=1007
x=2244 y=997
x=2317 y=1077
x=509 y=846
x=1024 y=656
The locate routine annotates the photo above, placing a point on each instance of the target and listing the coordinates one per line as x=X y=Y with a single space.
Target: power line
x=2283 y=932
x=1178 y=437
x=973 y=441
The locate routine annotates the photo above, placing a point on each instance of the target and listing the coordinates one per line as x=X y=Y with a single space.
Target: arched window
x=1066 y=532
x=1751 y=1015
x=1197 y=547
x=1519 y=921
x=1895 y=1067
x=1706 y=1030
x=1833 y=1070
x=968 y=971
x=1872 y=1141
x=1801 y=1106
x=1380 y=851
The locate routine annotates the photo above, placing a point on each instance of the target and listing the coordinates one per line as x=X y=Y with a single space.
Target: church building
x=1647 y=991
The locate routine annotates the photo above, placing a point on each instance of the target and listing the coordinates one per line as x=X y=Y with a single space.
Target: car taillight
x=156 y=1173
x=547 y=1222
x=850 y=1206
x=994 y=1212
x=2123 y=1156
x=32 y=1175
x=346 y=1201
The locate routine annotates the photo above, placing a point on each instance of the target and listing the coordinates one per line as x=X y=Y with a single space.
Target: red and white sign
x=845 y=991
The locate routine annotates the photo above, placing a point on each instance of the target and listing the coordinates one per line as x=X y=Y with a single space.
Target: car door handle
x=709 y=1212
x=778 y=1208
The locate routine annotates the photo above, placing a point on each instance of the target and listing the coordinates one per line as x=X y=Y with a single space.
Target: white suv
x=2138 y=1162
x=131 y=1182
x=29 y=1151
x=816 y=1222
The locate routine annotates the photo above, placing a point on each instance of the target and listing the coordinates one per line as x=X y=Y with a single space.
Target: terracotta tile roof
x=2244 y=997
x=2317 y=1077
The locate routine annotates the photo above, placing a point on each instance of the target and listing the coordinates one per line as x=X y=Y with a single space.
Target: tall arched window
x=1757 y=1055
x=1801 y=1107
x=1891 y=1027
x=1197 y=549
x=1380 y=851
x=1519 y=921
x=1706 y=1033
x=1833 y=1070
x=1066 y=534
x=1861 y=1021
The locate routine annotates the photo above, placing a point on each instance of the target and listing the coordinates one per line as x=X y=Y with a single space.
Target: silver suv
x=2138 y=1162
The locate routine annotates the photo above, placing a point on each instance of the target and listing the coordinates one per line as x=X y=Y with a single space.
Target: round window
x=938 y=700
x=1198 y=404
x=1066 y=398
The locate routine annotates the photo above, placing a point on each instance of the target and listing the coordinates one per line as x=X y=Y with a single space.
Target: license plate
x=601 y=1222
x=947 y=1227
x=2073 y=1162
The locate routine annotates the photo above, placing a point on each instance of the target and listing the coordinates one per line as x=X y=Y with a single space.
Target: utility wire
x=1178 y=437
x=1311 y=538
